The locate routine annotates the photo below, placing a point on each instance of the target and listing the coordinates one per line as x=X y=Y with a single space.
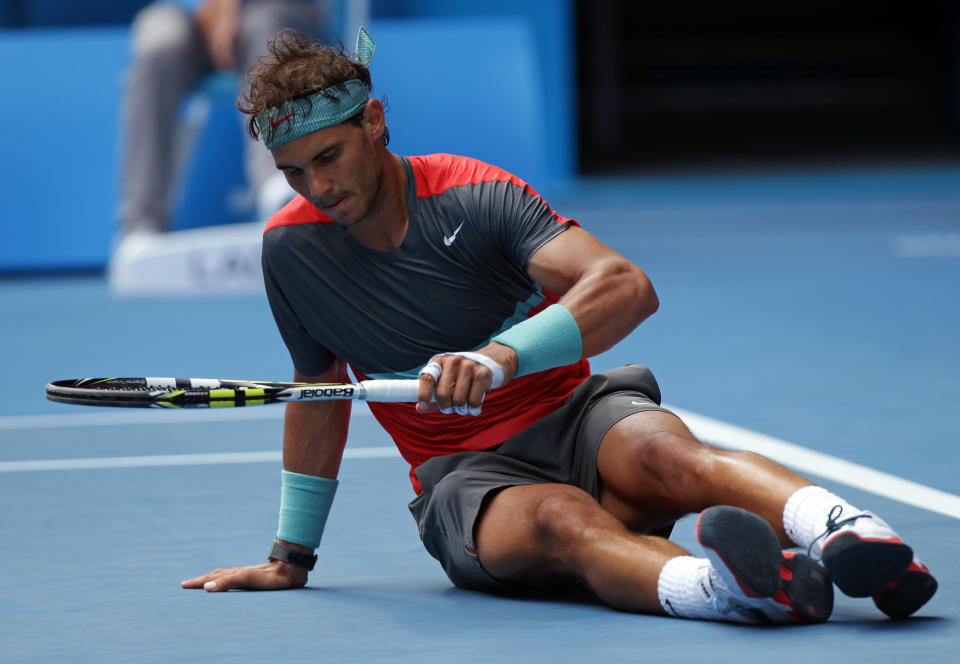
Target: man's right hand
x=272 y=575
x=463 y=381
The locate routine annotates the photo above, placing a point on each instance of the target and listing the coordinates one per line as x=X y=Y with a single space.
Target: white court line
x=822 y=465
x=140 y=416
x=136 y=418
x=714 y=431
x=178 y=460
x=927 y=245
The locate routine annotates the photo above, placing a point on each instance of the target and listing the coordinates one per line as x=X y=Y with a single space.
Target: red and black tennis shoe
x=862 y=553
x=904 y=596
x=752 y=579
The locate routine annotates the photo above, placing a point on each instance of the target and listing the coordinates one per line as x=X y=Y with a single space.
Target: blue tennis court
x=811 y=315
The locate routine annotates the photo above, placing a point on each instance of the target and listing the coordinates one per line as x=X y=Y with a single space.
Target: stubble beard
x=375 y=200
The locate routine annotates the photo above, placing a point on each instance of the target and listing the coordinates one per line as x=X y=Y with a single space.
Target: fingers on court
x=266 y=576
x=199 y=581
x=223 y=584
x=228 y=580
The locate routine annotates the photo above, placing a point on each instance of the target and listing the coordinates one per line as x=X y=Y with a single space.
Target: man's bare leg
x=546 y=535
x=652 y=467
x=550 y=536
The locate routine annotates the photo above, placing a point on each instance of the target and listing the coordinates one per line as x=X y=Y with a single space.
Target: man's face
x=337 y=169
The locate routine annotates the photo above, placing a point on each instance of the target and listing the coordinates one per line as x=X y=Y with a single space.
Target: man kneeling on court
x=529 y=472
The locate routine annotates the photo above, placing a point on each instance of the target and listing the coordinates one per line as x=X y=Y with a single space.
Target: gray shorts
x=561 y=448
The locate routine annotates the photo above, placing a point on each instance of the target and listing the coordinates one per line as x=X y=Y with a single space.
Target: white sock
x=685 y=589
x=806 y=512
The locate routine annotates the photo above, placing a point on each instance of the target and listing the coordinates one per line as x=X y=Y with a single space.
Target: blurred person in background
x=174 y=47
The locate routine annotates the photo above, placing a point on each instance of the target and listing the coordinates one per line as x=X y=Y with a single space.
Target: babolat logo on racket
x=328 y=392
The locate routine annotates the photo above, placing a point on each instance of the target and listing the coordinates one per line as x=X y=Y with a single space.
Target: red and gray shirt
x=458 y=279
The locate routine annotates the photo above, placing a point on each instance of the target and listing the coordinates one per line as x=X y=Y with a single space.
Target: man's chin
x=343 y=220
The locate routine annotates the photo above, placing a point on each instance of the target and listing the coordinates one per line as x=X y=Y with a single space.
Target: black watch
x=282 y=552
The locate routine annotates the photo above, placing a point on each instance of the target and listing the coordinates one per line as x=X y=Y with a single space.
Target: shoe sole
x=806 y=587
x=746 y=546
x=863 y=567
x=906 y=595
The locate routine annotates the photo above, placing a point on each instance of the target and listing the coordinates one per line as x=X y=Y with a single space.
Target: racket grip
x=391 y=390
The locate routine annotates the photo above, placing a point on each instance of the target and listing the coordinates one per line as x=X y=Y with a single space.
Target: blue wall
x=58 y=131
x=462 y=87
x=474 y=87
x=35 y=13
x=552 y=23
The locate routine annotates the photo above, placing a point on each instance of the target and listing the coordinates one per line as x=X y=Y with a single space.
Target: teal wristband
x=305 y=502
x=549 y=339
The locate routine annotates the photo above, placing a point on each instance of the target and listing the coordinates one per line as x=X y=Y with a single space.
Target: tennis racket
x=213 y=393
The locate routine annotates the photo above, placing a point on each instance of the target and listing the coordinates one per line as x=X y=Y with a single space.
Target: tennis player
x=530 y=473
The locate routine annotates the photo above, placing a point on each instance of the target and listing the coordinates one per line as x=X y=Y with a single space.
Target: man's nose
x=318 y=182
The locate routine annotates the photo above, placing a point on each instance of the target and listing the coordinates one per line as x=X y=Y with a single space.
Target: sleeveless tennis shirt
x=458 y=279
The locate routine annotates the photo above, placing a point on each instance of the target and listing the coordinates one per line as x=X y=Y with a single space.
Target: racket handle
x=391 y=390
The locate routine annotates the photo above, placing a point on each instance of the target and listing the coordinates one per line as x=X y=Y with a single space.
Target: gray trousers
x=169 y=58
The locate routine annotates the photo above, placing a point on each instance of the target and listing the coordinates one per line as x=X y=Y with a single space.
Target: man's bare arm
x=314 y=435
x=315 y=432
x=607 y=295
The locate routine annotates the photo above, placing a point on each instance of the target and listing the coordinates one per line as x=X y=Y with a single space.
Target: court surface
x=811 y=315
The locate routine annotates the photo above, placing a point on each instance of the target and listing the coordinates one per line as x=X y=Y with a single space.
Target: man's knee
x=675 y=460
x=564 y=518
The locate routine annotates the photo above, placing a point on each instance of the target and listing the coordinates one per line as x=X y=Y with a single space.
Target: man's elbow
x=637 y=295
x=646 y=297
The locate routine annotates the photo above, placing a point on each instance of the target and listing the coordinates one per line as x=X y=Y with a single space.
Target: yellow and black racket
x=214 y=393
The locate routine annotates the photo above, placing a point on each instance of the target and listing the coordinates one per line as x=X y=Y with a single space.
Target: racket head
x=147 y=392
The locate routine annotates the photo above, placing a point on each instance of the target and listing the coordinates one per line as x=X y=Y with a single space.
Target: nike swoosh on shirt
x=448 y=240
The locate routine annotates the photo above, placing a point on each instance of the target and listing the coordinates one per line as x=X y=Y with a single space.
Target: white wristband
x=489 y=363
x=434 y=370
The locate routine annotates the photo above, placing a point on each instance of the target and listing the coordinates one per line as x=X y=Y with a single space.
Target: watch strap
x=282 y=552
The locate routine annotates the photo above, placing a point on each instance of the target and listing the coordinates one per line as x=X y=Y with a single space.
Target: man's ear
x=374 y=119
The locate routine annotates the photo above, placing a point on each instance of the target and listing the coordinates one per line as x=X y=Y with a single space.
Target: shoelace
x=834 y=525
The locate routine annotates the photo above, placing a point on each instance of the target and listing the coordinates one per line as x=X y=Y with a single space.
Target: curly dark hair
x=296 y=66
